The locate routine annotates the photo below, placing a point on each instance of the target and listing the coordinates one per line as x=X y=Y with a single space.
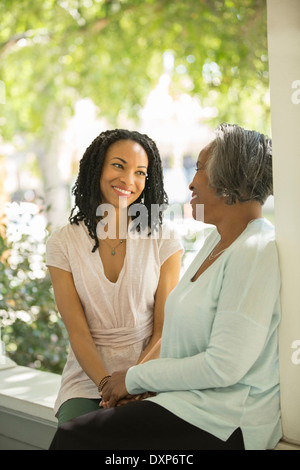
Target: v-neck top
x=219 y=366
x=120 y=314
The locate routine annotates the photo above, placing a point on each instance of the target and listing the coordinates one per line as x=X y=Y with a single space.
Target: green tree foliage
x=55 y=51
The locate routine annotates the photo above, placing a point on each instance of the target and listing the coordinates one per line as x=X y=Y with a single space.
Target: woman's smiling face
x=124 y=173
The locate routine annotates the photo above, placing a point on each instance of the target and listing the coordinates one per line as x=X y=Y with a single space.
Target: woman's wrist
x=102 y=383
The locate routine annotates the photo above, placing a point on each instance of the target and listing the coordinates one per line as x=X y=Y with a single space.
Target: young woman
x=217 y=380
x=111 y=277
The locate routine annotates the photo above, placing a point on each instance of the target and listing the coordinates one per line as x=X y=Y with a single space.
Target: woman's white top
x=119 y=315
x=219 y=367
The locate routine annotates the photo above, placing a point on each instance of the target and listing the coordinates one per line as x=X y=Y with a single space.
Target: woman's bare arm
x=70 y=308
x=169 y=277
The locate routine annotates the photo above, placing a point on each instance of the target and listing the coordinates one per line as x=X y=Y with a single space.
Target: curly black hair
x=87 y=186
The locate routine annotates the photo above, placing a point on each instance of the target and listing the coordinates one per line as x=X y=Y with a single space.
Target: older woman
x=217 y=380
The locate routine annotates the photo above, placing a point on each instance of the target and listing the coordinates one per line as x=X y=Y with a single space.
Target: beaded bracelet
x=102 y=382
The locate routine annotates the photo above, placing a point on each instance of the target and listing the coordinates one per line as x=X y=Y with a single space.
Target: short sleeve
x=169 y=243
x=56 y=252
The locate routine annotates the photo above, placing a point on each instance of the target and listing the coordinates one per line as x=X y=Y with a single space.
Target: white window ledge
x=27 y=399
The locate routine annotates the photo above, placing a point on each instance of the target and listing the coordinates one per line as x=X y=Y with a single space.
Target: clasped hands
x=114 y=392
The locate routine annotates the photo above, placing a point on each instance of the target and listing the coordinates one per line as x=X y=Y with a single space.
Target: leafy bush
x=31 y=328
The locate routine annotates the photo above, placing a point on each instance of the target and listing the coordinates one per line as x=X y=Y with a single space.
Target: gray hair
x=240 y=164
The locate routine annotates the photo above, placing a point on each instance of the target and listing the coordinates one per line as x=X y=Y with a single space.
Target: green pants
x=76 y=407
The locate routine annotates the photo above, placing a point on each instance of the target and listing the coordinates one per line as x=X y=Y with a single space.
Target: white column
x=284 y=64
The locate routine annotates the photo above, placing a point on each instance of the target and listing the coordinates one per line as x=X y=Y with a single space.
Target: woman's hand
x=130 y=398
x=123 y=401
x=114 y=390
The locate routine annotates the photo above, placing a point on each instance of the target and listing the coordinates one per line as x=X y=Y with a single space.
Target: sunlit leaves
x=112 y=51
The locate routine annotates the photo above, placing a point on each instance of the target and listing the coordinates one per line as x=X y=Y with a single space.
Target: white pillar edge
x=284 y=67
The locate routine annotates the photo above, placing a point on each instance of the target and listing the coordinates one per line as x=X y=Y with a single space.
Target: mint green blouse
x=219 y=367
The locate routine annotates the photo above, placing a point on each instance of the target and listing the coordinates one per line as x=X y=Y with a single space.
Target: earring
x=143 y=198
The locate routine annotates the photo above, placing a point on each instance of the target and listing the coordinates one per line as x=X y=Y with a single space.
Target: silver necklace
x=113 y=248
x=213 y=256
